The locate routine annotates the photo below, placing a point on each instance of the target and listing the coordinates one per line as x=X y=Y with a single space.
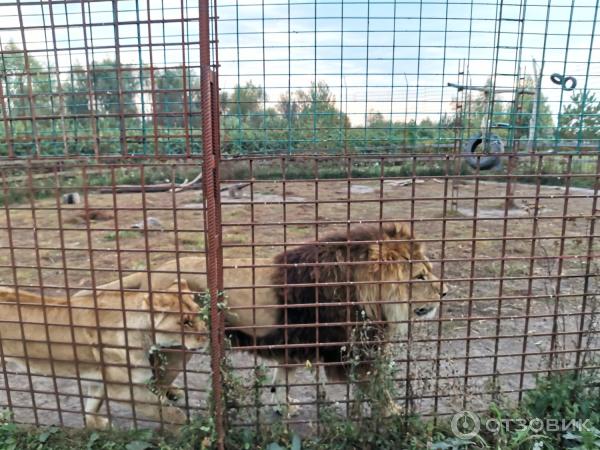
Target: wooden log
x=133 y=188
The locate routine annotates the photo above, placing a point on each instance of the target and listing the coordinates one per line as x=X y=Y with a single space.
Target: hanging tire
x=485 y=161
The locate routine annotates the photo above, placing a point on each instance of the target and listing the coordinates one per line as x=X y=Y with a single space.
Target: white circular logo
x=536 y=425
x=465 y=425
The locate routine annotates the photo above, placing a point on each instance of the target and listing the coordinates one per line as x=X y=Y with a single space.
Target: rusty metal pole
x=214 y=273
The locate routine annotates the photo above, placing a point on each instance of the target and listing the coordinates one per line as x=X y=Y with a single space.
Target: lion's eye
x=188 y=323
x=421 y=276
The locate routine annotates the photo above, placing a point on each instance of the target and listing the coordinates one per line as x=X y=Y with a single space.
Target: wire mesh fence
x=422 y=176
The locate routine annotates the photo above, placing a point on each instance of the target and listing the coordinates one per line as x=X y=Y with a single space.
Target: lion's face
x=177 y=321
x=425 y=290
x=406 y=279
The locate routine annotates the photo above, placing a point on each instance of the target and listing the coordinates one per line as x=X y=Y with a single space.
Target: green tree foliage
x=303 y=121
x=114 y=91
x=106 y=100
x=245 y=102
x=314 y=121
x=383 y=135
x=169 y=99
x=27 y=86
x=13 y=71
x=104 y=90
x=247 y=122
x=580 y=119
x=522 y=118
x=77 y=94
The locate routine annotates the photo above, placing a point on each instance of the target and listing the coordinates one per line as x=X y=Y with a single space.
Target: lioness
x=107 y=340
x=237 y=272
x=373 y=272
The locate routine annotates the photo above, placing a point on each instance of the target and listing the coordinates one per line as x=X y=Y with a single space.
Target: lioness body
x=105 y=340
x=252 y=310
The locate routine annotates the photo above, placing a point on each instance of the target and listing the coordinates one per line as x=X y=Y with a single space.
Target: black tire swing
x=484 y=161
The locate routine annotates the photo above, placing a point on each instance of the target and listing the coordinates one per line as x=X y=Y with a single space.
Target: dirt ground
x=489 y=329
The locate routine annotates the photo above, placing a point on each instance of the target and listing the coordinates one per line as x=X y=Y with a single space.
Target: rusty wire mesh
x=333 y=115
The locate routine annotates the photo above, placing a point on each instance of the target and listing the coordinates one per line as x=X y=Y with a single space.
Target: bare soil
x=503 y=315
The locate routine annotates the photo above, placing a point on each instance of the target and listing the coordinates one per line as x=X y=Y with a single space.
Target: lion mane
x=326 y=288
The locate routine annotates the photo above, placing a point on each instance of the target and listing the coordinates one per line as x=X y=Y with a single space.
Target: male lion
x=328 y=288
x=373 y=272
x=107 y=341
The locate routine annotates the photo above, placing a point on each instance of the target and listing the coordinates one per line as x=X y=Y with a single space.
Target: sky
x=392 y=57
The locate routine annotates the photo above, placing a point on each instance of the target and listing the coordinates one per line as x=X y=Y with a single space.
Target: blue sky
x=391 y=57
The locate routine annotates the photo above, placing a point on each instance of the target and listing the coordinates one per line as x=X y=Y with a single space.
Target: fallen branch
x=402 y=183
x=195 y=184
x=185 y=185
x=163 y=187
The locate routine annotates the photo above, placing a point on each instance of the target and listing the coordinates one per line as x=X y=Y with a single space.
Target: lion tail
x=10 y=295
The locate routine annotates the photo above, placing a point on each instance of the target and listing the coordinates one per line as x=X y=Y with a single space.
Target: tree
x=288 y=107
x=168 y=98
x=580 y=119
x=16 y=76
x=246 y=121
x=114 y=86
x=317 y=123
x=29 y=89
x=427 y=130
x=522 y=119
x=76 y=93
x=244 y=101
x=318 y=99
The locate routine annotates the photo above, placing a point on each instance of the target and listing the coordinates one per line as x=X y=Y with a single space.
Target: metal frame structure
x=293 y=120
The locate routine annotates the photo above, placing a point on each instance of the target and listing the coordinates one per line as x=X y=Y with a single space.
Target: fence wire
x=213 y=143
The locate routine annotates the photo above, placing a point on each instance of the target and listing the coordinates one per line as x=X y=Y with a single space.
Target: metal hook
x=566 y=83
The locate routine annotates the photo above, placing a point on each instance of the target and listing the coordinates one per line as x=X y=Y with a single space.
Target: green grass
x=298 y=168
x=13 y=437
x=305 y=170
x=20 y=188
x=564 y=396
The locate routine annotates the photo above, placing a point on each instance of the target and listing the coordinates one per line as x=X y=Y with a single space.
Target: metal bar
x=211 y=154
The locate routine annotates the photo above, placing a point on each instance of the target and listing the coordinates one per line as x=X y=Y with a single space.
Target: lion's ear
x=145 y=304
x=419 y=250
x=389 y=231
x=402 y=231
x=396 y=231
x=184 y=286
x=162 y=301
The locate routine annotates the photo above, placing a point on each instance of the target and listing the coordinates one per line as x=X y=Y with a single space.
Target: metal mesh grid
x=522 y=280
x=60 y=249
x=445 y=116
x=92 y=93
x=100 y=78
x=380 y=76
